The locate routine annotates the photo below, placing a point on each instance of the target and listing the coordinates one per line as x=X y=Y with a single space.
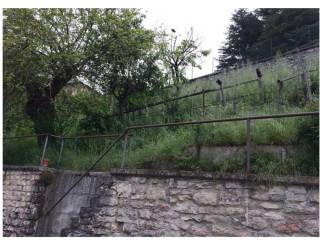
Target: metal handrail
x=64 y=137
x=203 y=91
x=224 y=120
x=85 y=173
x=127 y=130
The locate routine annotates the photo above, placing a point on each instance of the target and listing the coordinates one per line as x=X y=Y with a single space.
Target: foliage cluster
x=261 y=33
x=119 y=59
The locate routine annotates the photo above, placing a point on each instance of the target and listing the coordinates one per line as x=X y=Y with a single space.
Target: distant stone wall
x=292 y=59
x=148 y=203
x=23 y=197
x=160 y=203
x=216 y=154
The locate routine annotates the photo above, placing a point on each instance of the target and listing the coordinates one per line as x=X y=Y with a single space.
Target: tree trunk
x=41 y=111
x=40 y=106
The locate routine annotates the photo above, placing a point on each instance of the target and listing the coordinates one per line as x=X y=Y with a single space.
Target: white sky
x=209 y=24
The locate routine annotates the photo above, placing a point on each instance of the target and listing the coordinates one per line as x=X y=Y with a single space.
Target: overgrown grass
x=21 y=152
x=166 y=147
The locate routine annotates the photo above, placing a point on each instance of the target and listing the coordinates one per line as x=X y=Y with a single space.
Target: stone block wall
x=293 y=59
x=145 y=203
x=23 y=197
x=160 y=203
x=78 y=198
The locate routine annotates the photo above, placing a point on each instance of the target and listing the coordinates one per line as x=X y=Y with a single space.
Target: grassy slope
x=166 y=147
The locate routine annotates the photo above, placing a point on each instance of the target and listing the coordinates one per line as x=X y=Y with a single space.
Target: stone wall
x=70 y=207
x=292 y=59
x=23 y=197
x=216 y=154
x=160 y=203
x=145 y=203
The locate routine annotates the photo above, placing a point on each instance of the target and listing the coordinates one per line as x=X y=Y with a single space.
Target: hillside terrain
x=180 y=147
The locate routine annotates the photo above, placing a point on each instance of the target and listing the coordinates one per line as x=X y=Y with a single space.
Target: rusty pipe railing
x=125 y=133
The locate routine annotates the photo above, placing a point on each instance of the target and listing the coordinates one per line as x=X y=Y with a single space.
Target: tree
x=286 y=29
x=44 y=49
x=281 y=20
x=243 y=32
x=176 y=55
x=130 y=65
x=265 y=31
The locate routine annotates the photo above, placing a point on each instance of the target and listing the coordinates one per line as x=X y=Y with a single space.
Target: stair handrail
x=126 y=131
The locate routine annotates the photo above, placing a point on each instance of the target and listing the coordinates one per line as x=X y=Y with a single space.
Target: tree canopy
x=243 y=32
x=261 y=33
x=44 y=49
x=176 y=54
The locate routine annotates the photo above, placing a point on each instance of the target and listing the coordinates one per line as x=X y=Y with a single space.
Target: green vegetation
x=261 y=33
x=168 y=147
x=134 y=80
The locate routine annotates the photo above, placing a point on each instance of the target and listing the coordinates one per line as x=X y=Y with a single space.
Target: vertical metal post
x=203 y=103
x=306 y=85
x=305 y=78
x=280 y=94
x=222 y=97
x=191 y=112
x=234 y=104
x=44 y=150
x=60 y=153
x=163 y=112
x=261 y=85
x=125 y=149
x=248 y=146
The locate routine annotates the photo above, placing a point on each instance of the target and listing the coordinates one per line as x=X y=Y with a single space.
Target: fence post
x=203 y=103
x=248 y=145
x=305 y=76
x=60 y=153
x=191 y=113
x=280 y=94
x=261 y=85
x=44 y=149
x=222 y=97
x=125 y=149
x=164 y=112
x=234 y=104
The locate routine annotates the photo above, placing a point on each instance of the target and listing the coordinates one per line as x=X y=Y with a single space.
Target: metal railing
x=201 y=110
x=128 y=131
x=305 y=81
x=61 y=138
x=126 y=134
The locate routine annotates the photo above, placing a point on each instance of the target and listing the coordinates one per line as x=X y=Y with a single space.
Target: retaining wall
x=166 y=203
x=293 y=59
x=23 y=199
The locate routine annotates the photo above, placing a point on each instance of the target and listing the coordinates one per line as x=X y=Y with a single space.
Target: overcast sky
x=210 y=24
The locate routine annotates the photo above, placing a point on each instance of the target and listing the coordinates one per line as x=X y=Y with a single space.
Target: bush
x=21 y=152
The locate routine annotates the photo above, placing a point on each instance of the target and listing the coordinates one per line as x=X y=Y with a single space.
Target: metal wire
x=248 y=118
x=196 y=94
